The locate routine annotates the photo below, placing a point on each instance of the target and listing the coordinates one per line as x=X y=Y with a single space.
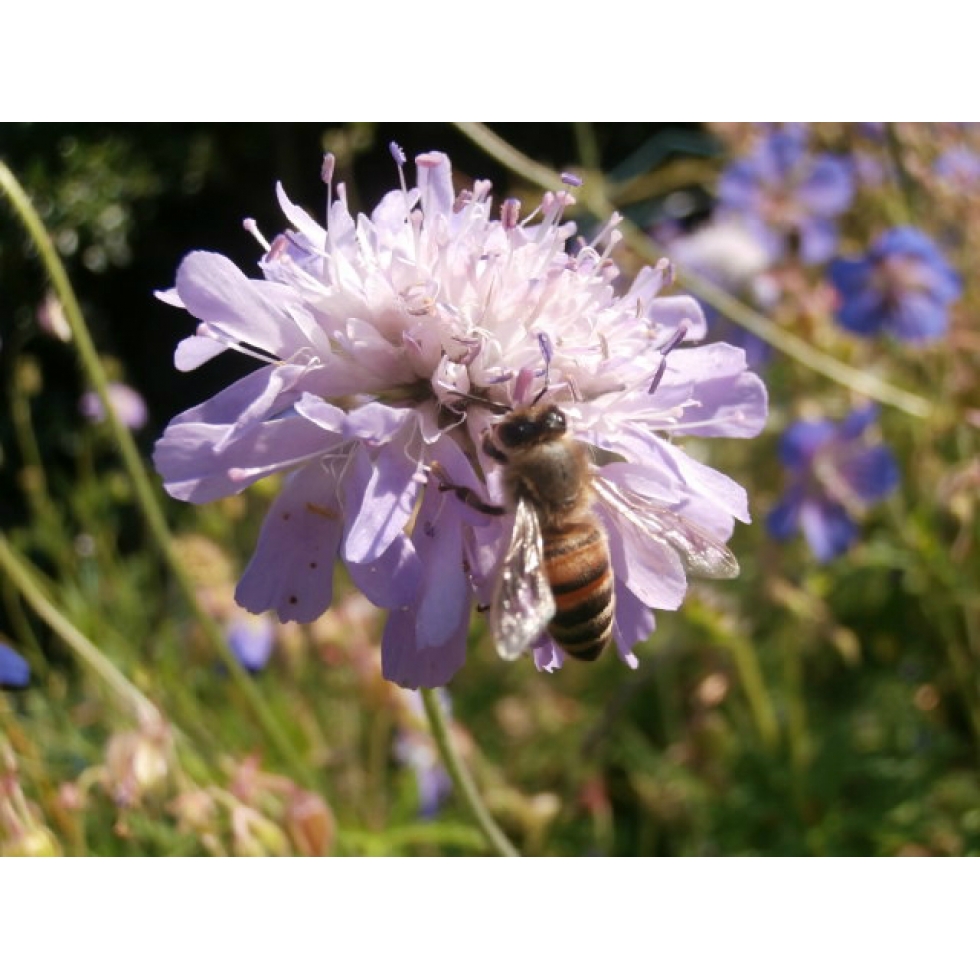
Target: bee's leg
x=469 y=497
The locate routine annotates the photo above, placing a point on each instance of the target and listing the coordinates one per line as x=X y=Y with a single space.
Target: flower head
x=390 y=345
x=903 y=286
x=833 y=475
x=786 y=194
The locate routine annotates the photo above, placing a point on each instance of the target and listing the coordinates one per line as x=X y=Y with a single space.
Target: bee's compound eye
x=514 y=433
x=555 y=420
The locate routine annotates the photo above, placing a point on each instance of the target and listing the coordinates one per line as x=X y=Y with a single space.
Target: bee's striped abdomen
x=576 y=560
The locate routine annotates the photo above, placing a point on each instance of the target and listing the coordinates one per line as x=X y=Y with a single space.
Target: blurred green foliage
x=802 y=709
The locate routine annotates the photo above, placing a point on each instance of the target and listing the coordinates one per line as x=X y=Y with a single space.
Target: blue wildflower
x=14 y=671
x=959 y=166
x=415 y=749
x=903 y=286
x=251 y=639
x=786 y=194
x=833 y=475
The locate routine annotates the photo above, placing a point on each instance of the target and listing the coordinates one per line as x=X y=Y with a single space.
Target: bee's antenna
x=547 y=351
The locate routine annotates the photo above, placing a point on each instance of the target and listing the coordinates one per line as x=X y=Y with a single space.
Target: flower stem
x=133 y=464
x=18 y=572
x=461 y=777
x=594 y=198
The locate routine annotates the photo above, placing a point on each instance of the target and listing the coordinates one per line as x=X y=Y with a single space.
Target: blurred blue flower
x=787 y=194
x=415 y=749
x=960 y=167
x=251 y=640
x=903 y=286
x=14 y=671
x=833 y=475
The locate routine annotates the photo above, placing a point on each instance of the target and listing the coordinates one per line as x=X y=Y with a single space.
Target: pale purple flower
x=386 y=340
x=127 y=403
x=51 y=318
x=835 y=472
x=789 y=197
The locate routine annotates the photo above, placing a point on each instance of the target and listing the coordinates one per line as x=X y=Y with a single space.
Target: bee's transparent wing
x=702 y=553
x=522 y=603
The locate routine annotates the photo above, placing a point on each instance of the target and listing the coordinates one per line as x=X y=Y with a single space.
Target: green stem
x=748 y=668
x=460 y=775
x=145 y=495
x=753 y=684
x=905 y=181
x=19 y=574
x=594 y=198
x=587 y=145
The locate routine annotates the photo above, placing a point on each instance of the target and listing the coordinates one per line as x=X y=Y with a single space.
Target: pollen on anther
x=398 y=154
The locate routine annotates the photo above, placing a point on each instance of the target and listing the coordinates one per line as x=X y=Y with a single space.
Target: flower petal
x=405 y=663
x=783 y=521
x=444 y=592
x=313 y=232
x=251 y=639
x=633 y=624
x=291 y=570
x=800 y=442
x=701 y=480
x=918 y=319
x=828 y=530
x=828 y=188
x=194 y=351
x=871 y=474
x=380 y=506
x=191 y=469
x=435 y=182
x=548 y=656
x=253 y=311
x=650 y=569
x=391 y=580
x=14 y=669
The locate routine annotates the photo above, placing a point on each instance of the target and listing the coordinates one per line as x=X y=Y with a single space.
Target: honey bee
x=556 y=574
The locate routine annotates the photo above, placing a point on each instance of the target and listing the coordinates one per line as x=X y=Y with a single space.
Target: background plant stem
x=133 y=464
x=460 y=775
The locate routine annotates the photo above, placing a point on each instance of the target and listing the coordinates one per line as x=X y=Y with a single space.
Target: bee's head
x=531 y=426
